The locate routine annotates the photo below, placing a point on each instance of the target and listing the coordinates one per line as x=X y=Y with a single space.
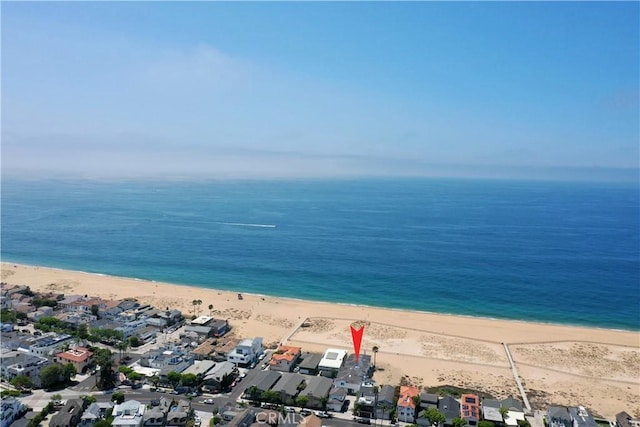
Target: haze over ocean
x=561 y=252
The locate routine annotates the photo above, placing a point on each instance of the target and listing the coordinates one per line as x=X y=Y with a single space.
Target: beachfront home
x=79 y=357
x=48 y=344
x=309 y=363
x=385 y=402
x=427 y=401
x=285 y=358
x=316 y=391
x=623 y=419
x=470 y=408
x=491 y=411
x=580 y=417
x=450 y=408
x=406 y=406
x=178 y=415
x=558 y=416
x=352 y=374
x=246 y=352
x=331 y=362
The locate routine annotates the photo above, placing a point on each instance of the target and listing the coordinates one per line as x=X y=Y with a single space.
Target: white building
x=246 y=352
x=47 y=344
x=10 y=410
x=127 y=414
x=331 y=362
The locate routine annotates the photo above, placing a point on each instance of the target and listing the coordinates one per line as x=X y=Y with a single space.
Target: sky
x=321 y=89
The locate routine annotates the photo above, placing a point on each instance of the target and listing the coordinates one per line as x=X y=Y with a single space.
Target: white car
x=242 y=375
x=322 y=414
x=208 y=401
x=261 y=356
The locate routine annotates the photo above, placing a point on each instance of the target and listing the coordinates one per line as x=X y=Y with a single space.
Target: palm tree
x=199 y=303
x=194 y=303
x=210 y=309
x=504 y=411
x=375 y=352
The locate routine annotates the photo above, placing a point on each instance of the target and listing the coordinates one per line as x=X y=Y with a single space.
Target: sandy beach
x=597 y=368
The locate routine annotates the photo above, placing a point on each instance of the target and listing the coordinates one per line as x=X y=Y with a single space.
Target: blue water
x=558 y=252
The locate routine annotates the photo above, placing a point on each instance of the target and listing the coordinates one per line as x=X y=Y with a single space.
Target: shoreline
x=317 y=301
x=559 y=364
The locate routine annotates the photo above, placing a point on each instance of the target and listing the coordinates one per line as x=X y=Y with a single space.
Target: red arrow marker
x=356 y=336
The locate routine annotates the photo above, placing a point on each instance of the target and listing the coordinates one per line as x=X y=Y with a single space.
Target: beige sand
x=597 y=368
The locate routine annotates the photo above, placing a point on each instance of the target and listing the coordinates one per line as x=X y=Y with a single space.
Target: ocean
x=559 y=252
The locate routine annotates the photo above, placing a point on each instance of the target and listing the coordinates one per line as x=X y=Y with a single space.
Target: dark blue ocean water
x=559 y=252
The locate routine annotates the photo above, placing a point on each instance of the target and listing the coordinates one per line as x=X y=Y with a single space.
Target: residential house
x=558 y=416
x=10 y=410
x=491 y=411
x=155 y=322
x=285 y=358
x=156 y=416
x=337 y=397
x=385 y=402
x=366 y=401
x=41 y=312
x=470 y=408
x=264 y=380
x=288 y=386
x=427 y=401
x=317 y=390
x=219 y=327
x=16 y=363
x=95 y=412
x=331 y=362
x=515 y=411
x=623 y=419
x=69 y=415
x=212 y=381
x=79 y=357
x=309 y=363
x=129 y=413
x=131 y=327
x=200 y=367
x=246 y=352
x=179 y=414
x=450 y=408
x=406 y=407
x=580 y=417
x=244 y=419
x=48 y=344
x=91 y=415
x=352 y=374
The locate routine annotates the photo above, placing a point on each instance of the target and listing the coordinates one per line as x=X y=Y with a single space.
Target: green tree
x=69 y=371
x=89 y=399
x=56 y=397
x=95 y=310
x=458 y=422
x=210 y=309
x=118 y=397
x=83 y=331
x=51 y=375
x=8 y=316
x=174 y=378
x=485 y=423
x=435 y=417
x=134 y=376
x=504 y=411
x=253 y=393
x=22 y=382
x=189 y=380
x=302 y=401
x=270 y=396
x=323 y=402
x=524 y=423
x=155 y=380
x=102 y=423
x=134 y=341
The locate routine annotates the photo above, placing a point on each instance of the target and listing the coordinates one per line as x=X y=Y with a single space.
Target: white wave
x=241 y=224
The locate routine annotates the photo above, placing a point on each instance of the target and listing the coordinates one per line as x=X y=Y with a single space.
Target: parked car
x=362 y=420
x=322 y=414
x=289 y=409
x=305 y=412
x=208 y=401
